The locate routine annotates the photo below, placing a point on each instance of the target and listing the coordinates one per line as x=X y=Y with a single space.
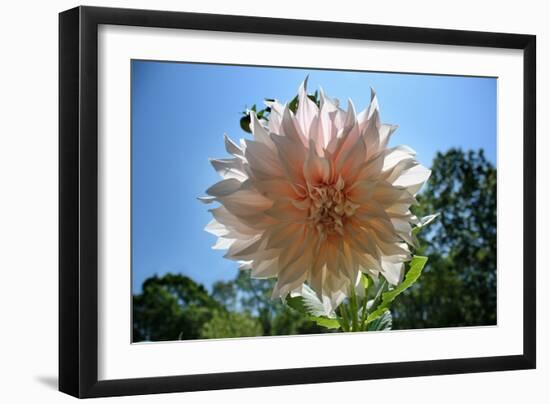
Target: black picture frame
x=78 y=201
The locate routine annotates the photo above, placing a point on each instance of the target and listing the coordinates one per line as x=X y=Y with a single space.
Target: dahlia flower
x=317 y=197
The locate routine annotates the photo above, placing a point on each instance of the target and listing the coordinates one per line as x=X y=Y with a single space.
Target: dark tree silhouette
x=170 y=308
x=458 y=287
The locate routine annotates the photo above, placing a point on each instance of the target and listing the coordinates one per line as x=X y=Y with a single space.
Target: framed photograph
x=251 y=201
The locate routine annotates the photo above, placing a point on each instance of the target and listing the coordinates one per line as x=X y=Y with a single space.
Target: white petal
x=244 y=249
x=293 y=275
x=259 y=132
x=245 y=265
x=287 y=212
x=224 y=187
x=223 y=243
x=292 y=155
x=396 y=155
x=371 y=137
x=216 y=228
x=262 y=160
x=386 y=194
x=404 y=229
x=413 y=178
x=307 y=109
x=229 y=168
x=361 y=191
x=276 y=116
x=291 y=129
x=245 y=202
x=265 y=269
x=317 y=169
x=393 y=272
x=373 y=107
x=330 y=119
x=207 y=199
x=392 y=174
x=385 y=132
x=231 y=146
x=282 y=235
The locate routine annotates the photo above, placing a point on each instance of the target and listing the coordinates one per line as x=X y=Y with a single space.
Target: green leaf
x=245 y=123
x=293 y=105
x=308 y=302
x=365 y=281
x=313 y=97
x=313 y=305
x=296 y=303
x=330 y=323
x=415 y=270
x=382 y=323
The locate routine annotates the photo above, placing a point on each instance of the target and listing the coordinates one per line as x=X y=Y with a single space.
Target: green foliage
x=263 y=114
x=382 y=323
x=458 y=287
x=359 y=312
x=330 y=323
x=245 y=294
x=170 y=308
x=230 y=324
x=308 y=303
x=296 y=303
x=415 y=269
x=365 y=281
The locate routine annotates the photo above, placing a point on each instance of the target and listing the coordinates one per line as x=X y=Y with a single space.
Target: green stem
x=378 y=294
x=354 y=312
x=345 y=319
x=364 y=312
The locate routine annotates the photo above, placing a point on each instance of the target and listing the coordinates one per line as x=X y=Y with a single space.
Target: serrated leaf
x=415 y=270
x=382 y=323
x=330 y=323
x=307 y=302
x=314 y=306
x=296 y=303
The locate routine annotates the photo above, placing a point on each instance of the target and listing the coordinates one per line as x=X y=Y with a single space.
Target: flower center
x=329 y=208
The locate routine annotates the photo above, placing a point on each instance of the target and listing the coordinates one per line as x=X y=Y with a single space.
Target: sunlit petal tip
x=372 y=93
x=231 y=147
x=351 y=118
x=302 y=90
x=206 y=199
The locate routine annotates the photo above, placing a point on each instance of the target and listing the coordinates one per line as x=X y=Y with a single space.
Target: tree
x=458 y=287
x=171 y=307
x=225 y=324
x=253 y=296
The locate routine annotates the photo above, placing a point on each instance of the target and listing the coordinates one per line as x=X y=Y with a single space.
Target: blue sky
x=180 y=112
